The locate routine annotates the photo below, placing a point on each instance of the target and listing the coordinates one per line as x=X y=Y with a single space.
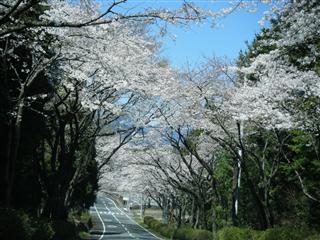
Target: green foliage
x=199 y=234
x=277 y=233
x=163 y=229
x=166 y=231
x=235 y=233
x=82 y=220
x=14 y=225
x=289 y=152
x=85 y=192
x=192 y=234
x=286 y=233
x=43 y=230
x=84 y=235
x=147 y=220
x=154 y=224
x=314 y=237
x=183 y=233
x=302 y=148
x=223 y=174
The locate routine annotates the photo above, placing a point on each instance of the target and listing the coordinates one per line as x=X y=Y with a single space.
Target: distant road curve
x=111 y=223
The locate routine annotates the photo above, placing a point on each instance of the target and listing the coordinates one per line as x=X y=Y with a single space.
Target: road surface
x=112 y=223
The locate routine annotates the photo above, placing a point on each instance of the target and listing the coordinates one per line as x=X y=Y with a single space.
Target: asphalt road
x=112 y=223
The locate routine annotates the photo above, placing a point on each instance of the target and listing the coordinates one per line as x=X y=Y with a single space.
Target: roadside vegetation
x=168 y=231
x=16 y=224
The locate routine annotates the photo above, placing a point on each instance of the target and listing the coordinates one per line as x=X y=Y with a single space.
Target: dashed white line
x=131 y=218
x=118 y=220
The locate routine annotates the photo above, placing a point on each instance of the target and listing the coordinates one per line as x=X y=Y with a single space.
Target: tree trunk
x=204 y=217
x=235 y=193
x=179 y=216
x=164 y=209
x=214 y=215
x=263 y=211
x=193 y=212
x=59 y=211
x=12 y=150
x=197 y=218
x=183 y=212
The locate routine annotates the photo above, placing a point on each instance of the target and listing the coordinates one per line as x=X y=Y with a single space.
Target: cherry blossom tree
x=249 y=117
x=281 y=87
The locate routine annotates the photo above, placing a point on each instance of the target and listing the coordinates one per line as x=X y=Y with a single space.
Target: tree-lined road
x=111 y=223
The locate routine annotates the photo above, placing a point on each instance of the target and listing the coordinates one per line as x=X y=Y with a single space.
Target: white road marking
x=104 y=227
x=118 y=221
x=131 y=218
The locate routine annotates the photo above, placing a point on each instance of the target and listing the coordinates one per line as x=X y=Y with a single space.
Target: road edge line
x=133 y=220
x=104 y=226
x=117 y=219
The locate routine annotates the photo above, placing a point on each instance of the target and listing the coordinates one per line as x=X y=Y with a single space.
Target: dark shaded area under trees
x=47 y=156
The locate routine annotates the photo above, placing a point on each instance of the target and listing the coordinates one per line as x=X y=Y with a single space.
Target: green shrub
x=155 y=224
x=81 y=219
x=147 y=220
x=286 y=233
x=84 y=235
x=166 y=230
x=277 y=233
x=235 y=233
x=314 y=237
x=85 y=218
x=183 y=233
x=188 y=233
x=257 y=235
x=198 y=234
x=42 y=230
x=159 y=227
x=14 y=225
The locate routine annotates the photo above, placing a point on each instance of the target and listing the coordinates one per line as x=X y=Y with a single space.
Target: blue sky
x=226 y=40
x=190 y=46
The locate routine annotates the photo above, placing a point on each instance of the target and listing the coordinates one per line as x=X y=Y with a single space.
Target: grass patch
x=276 y=233
x=164 y=231
x=84 y=235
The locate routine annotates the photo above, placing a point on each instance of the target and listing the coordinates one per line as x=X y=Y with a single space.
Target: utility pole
x=237 y=177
